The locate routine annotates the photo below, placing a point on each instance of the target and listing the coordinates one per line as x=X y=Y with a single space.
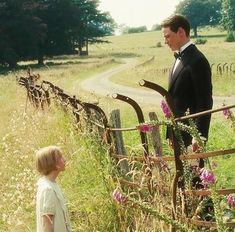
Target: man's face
x=172 y=39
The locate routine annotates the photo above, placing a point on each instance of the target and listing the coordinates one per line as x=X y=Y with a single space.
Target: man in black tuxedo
x=190 y=79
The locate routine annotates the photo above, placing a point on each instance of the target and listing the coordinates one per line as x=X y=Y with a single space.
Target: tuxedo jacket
x=191 y=88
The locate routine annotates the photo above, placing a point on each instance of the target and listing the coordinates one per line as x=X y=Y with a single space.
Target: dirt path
x=101 y=85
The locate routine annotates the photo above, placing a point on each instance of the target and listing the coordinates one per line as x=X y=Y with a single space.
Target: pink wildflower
x=207 y=177
x=145 y=128
x=119 y=197
x=231 y=200
x=166 y=110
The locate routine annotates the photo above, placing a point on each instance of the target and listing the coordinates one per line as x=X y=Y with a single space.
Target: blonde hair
x=46 y=159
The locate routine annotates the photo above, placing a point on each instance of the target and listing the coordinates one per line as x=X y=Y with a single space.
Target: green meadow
x=88 y=180
x=145 y=46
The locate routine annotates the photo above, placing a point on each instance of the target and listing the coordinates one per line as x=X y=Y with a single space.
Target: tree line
x=32 y=29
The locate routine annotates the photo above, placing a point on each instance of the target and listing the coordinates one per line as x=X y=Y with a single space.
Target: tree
x=92 y=24
x=21 y=31
x=73 y=24
x=200 y=12
x=58 y=15
x=228 y=15
x=156 y=27
x=123 y=28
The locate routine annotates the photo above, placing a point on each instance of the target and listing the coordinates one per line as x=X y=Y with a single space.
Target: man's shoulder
x=193 y=56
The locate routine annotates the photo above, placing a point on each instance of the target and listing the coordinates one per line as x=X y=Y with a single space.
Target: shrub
x=137 y=29
x=230 y=37
x=158 y=45
x=200 y=41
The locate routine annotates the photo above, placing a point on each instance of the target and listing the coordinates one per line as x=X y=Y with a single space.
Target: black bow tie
x=177 y=55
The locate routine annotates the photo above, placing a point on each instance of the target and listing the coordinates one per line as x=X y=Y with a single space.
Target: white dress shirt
x=181 y=50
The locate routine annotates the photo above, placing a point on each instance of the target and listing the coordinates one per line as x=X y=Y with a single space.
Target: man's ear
x=181 y=31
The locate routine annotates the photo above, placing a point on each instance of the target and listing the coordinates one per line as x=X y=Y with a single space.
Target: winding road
x=101 y=85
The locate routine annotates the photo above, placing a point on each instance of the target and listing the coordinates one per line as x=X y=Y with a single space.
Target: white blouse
x=50 y=201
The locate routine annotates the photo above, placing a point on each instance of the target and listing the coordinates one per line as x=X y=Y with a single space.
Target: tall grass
x=86 y=181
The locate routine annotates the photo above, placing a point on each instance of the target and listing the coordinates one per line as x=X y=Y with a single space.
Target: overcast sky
x=136 y=13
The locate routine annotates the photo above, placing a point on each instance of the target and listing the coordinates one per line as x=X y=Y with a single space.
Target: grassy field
x=144 y=46
x=87 y=182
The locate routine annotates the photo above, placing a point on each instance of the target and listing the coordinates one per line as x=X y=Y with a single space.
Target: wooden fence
x=223 y=68
x=111 y=131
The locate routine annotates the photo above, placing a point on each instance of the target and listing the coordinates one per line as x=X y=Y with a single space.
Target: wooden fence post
x=155 y=135
x=115 y=122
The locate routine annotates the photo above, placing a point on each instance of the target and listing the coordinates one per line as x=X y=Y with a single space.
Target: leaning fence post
x=155 y=135
x=115 y=122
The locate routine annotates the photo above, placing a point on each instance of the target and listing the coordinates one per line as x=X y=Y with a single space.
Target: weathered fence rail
x=222 y=68
x=42 y=95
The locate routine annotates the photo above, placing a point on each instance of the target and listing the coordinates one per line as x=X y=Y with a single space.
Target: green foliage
x=200 y=40
x=59 y=17
x=228 y=15
x=230 y=37
x=8 y=56
x=21 y=32
x=158 y=45
x=136 y=29
x=88 y=183
x=156 y=27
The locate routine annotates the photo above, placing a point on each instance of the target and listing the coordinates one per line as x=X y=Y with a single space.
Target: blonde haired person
x=51 y=211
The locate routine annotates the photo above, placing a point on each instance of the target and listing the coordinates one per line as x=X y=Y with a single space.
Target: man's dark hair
x=176 y=21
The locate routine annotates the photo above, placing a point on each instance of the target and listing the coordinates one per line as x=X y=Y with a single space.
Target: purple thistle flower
x=165 y=109
x=119 y=197
x=207 y=177
x=145 y=128
x=231 y=200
